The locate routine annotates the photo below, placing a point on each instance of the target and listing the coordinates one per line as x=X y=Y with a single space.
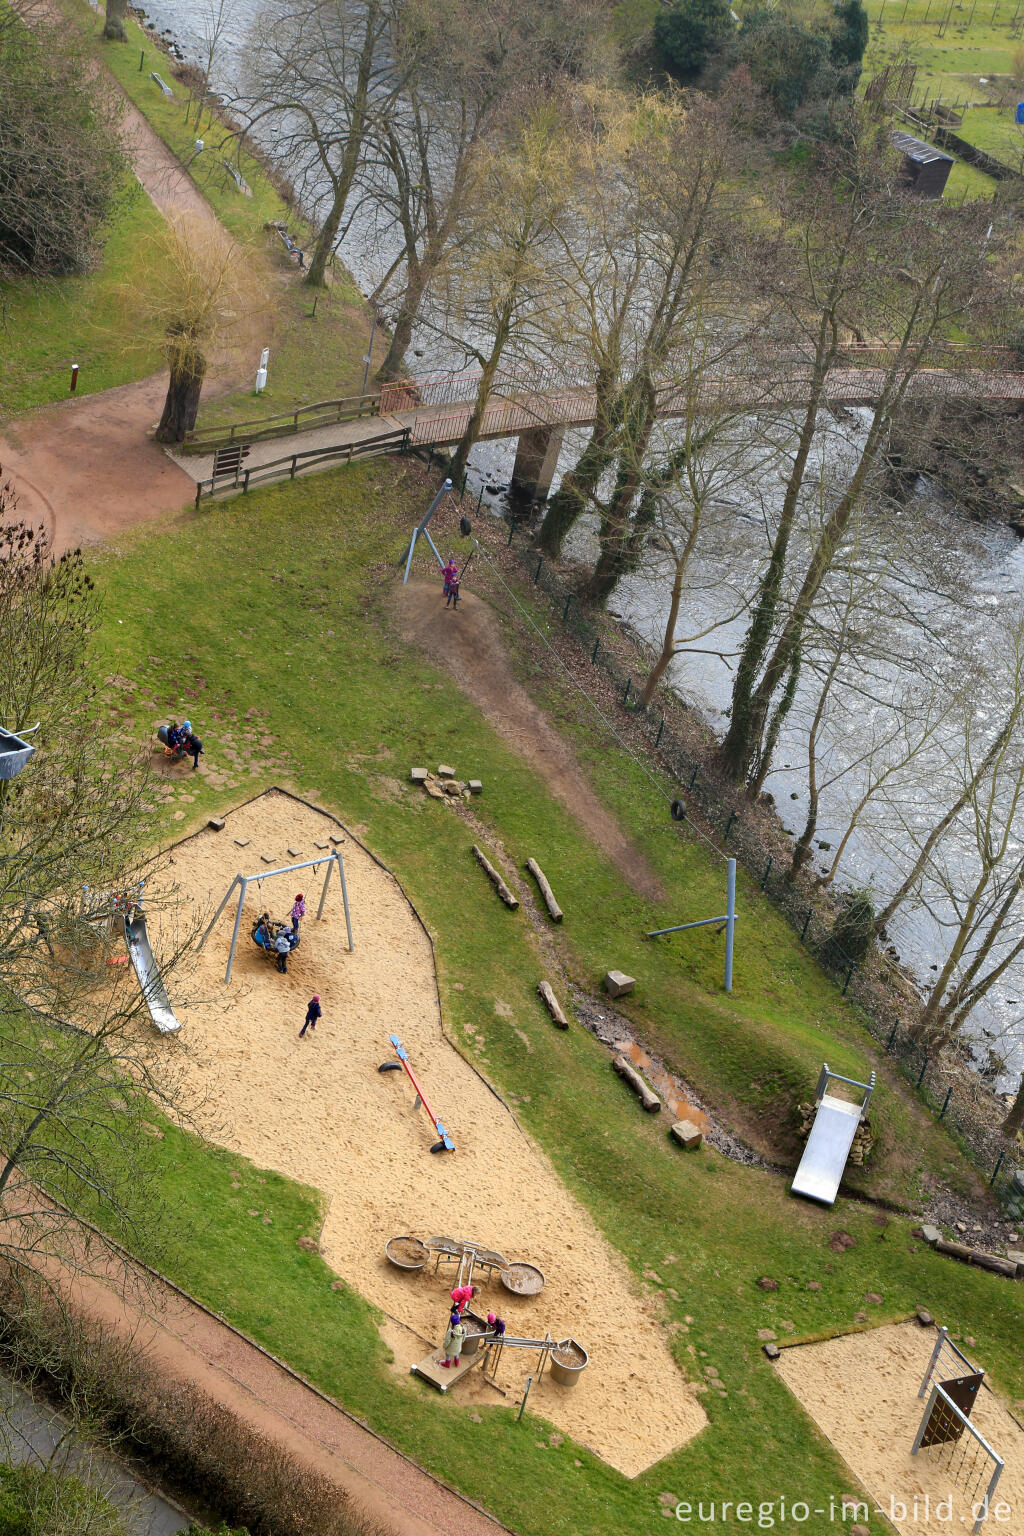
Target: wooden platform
x=433 y=1371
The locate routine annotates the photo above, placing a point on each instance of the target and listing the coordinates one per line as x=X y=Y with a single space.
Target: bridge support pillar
x=536 y=460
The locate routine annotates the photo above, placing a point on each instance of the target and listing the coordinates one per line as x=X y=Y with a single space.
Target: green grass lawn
x=47 y=325
x=707 y=1227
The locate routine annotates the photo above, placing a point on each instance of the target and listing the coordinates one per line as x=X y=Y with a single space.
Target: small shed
x=925 y=168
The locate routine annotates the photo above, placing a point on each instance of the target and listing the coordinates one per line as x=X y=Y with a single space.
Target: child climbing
x=462 y=1296
x=453 y=1340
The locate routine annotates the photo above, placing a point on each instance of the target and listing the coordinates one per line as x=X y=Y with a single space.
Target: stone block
x=216 y=823
x=445 y=772
x=925 y=1318
x=475 y=786
x=617 y=983
x=931 y=1234
x=336 y=839
x=772 y=1351
x=241 y=842
x=419 y=775
x=265 y=858
x=687 y=1134
x=295 y=853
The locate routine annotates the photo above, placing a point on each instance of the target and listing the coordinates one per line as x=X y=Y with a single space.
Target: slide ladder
x=154 y=992
x=828 y=1146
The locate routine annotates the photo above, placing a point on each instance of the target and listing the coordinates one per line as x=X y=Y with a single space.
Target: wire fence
x=959 y=1100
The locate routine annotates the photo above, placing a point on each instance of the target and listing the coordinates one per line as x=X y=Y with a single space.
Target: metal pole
x=421 y=526
x=522 y=1405
x=344 y=897
x=218 y=912
x=234 y=936
x=730 y=924
x=323 y=893
x=933 y=1361
x=369 y=350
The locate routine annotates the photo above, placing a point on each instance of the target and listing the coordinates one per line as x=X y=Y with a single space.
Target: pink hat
x=316 y=997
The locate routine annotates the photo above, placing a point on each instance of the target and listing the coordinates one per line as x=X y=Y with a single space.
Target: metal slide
x=828 y=1146
x=146 y=969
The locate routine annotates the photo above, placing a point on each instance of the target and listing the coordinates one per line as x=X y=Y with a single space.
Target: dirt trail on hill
x=466 y=642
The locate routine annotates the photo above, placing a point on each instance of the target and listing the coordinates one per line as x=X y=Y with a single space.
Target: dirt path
x=85 y=468
x=192 y=1345
x=467 y=644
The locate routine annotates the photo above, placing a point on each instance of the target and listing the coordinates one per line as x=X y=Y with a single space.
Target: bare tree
x=113 y=24
x=867 y=251
x=211 y=291
x=320 y=75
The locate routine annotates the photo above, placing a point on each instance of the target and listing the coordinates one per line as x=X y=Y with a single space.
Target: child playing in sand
x=453 y=1340
x=462 y=1296
x=496 y=1325
x=298 y=911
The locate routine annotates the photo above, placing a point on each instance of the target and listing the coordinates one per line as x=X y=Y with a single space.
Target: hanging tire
x=678 y=810
x=465 y=527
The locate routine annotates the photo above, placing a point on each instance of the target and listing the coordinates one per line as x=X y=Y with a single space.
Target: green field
x=350 y=709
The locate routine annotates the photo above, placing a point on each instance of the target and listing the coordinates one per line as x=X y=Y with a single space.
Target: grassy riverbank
x=349 y=710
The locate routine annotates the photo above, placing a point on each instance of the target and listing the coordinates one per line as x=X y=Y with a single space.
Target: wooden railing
x=293 y=464
x=324 y=413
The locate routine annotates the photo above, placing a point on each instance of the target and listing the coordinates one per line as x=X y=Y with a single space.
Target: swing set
x=241 y=883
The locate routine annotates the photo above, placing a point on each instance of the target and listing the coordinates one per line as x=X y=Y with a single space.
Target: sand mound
x=861 y=1391
x=318 y=1111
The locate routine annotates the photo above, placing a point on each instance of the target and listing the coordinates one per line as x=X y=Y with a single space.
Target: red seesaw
x=445 y=1144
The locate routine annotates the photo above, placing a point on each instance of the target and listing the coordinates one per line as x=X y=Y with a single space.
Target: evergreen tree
x=688 y=33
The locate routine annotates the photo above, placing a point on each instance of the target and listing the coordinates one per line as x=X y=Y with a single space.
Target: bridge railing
x=296 y=463
x=323 y=413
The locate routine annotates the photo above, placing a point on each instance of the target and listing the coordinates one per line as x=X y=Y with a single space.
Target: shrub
x=688 y=33
x=61 y=163
x=853 y=930
x=789 y=63
x=41 y=1501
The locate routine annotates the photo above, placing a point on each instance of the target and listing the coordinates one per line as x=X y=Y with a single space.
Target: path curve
x=190 y=1343
x=85 y=467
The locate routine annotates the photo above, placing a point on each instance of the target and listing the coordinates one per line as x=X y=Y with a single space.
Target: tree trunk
x=668 y=647
x=113 y=26
x=1014 y=1121
x=483 y=395
x=401 y=336
x=181 y=406
x=576 y=493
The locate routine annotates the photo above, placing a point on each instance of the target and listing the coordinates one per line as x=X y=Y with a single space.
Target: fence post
x=536 y=574
x=199 y=492
x=945 y=1102
x=657 y=739
x=892 y=1039
x=767 y=872
x=142 y=55
x=849 y=978
x=480 y=498
x=511 y=531
x=430 y=459
x=807 y=921
x=625 y=691
x=597 y=647
x=693 y=777
x=565 y=610
x=292 y=472
x=924 y=1069
x=245 y=483
x=728 y=826
x=995 y=1170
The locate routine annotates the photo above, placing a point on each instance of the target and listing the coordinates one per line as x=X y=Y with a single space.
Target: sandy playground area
x=318 y=1110
x=861 y=1391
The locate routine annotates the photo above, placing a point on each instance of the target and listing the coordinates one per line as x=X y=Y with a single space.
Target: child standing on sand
x=298 y=911
x=453 y=1340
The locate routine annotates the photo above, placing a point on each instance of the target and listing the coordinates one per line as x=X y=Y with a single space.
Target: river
x=988 y=563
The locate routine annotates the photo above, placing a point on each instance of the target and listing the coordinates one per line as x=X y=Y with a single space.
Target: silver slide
x=146 y=969
x=828 y=1146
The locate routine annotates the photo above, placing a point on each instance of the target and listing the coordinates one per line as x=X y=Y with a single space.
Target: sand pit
x=318 y=1111
x=861 y=1391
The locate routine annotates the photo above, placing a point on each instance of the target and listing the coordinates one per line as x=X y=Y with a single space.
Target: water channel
x=988 y=562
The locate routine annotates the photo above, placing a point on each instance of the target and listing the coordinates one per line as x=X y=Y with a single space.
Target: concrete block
x=335 y=839
x=216 y=823
x=772 y=1351
x=475 y=787
x=445 y=772
x=295 y=853
x=687 y=1134
x=265 y=858
x=617 y=983
x=241 y=842
x=931 y=1235
x=419 y=775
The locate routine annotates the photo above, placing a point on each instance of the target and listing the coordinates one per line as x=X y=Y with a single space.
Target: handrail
x=218 y=436
x=257 y=474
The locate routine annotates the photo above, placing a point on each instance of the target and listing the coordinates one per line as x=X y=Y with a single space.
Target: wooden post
x=492 y=874
x=554 y=910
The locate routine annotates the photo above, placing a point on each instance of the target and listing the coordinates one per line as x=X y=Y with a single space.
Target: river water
x=988 y=562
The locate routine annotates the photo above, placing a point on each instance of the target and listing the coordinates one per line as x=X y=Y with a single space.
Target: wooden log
x=554 y=1007
x=554 y=910
x=647 y=1096
x=975 y=1256
x=492 y=874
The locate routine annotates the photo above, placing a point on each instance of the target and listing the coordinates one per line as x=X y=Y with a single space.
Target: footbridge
x=537 y=407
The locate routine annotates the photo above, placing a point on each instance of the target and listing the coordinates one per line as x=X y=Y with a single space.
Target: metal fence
x=960 y=1101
